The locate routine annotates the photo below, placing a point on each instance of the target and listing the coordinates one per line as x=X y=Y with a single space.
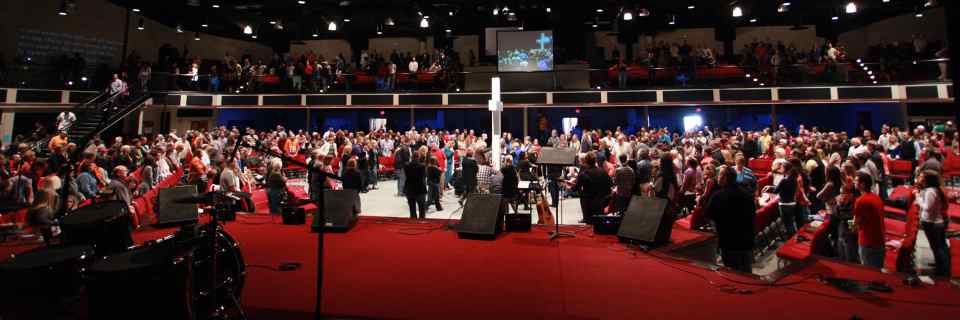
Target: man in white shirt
x=116 y=85
x=65 y=121
x=413 y=66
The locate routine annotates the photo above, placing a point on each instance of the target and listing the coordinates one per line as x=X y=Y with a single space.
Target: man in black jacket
x=402 y=158
x=415 y=187
x=468 y=174
x=594 y=185
x=732 y=211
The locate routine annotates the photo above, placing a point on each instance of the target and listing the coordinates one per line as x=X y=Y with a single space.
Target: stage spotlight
x=748 y=76
x=301 y=2
x=737 y=12
x=496 y=11
x=332 y=26
x=835 y=18
x=599 y=10
x=424 y=23
x=196 y=36
x=204 y=25
x=549 y=10
x=627 y=16
x=84 y=79
x=179 y=29
x=140 y=25
x=215 y=5
x=247 y=29
x=754 y=20
x=63 y=8
x=135 y=9
x=851 y=7
x=389 y=22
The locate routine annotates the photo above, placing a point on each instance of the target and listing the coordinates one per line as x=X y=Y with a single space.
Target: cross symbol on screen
x=543 y=40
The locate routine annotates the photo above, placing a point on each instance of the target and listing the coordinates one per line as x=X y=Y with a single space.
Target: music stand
x=558 y=159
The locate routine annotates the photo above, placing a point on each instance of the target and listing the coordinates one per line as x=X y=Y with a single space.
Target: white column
x=140 y=122
x=496 y=109
x=6 y=126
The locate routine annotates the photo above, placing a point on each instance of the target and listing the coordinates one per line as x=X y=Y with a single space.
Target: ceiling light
x=63 y=8
x=204 y=25
x=549 y=10
x=874 y=82
x=835 y=18
x=140 y=25
x=627 y=16
x=424 y=23
x=919 y=13
x=496 y=11
x=673 y=20
x=599 y=10
x=505 y=9
x=301 y=1
x=754 y=20
x=215 y=5
x=886 y=1
x=254 y=36
x=379 y=32
x=737 y=12
x=273 y=21
x=929 y=3
x=346 y=20
x=643 y=13
x=135 y=9
x=851 y=7
x=196 y=36
x=450 y=13
x=247 y=29
x=179 y=29
x=748 y=75
x=595 y=26
x=332 y=26
x=389 y=22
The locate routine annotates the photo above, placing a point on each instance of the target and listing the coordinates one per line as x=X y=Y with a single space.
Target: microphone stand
x=321 y=206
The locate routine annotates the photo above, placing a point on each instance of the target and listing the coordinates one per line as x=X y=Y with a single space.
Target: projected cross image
x=525 y=51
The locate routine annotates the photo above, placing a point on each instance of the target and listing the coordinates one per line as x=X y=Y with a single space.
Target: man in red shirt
x=868 y=218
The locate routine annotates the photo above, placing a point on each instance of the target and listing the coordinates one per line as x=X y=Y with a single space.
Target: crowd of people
x=813 y=173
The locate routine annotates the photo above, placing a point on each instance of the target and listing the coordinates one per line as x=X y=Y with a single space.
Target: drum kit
x=95 y=272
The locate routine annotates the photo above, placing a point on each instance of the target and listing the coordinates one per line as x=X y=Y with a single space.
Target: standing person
x=625 y=180
x=622 y=74
x=276 y=187
x=868 y=222
x=434 y=179
x=391 y=76
x=510 y=183
x=449 y=152
x=732 y=209
x=65 y=121
x=932 y=202
x=415 y=187
x=594 y=185
x=352 y=179
x=468 y=174
x=401 y=159
x=787 y=192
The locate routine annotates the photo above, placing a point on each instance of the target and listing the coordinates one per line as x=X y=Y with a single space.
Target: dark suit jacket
x=352 y=180
x=416 y=183
x=469 y=173
x=732 y=210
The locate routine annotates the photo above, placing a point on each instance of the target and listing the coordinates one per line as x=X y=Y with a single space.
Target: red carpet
x=389 y=268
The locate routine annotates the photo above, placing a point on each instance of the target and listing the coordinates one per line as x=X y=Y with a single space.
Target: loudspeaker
x=173 y=206
x=559 y=157
x=647 y=222
x=482 y=217
x=294 y=215
x=341 y=208
x=518 y=222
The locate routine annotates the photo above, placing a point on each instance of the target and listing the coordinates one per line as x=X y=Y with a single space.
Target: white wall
x=801 y=39
x=901 y=28
x=385 y=46
x=327 y=48
x=101 y=20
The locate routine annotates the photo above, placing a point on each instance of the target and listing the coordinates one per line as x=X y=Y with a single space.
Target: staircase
x=98 y=114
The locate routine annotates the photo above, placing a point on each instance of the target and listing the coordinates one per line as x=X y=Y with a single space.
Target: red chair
x=901 y=170
x=951 y=167
x=761 y=167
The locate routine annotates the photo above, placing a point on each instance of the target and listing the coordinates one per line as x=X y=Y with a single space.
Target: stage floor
x=405 y=269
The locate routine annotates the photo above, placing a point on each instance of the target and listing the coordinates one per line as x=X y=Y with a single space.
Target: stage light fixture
x=84 y=79
x=215 y=5
x=332 y=26
x=448 y=30
x=851 y=7
x=63 y=8
x=273 y=22
x=247 y=29
x=748 y=76
x=424 y=23
x=135 y=9
x=450 y=13
x=835 y=18
x=919 y=13
x=496 y=11
x=643 y=12
x=886 y=1
x=549 y=10
x=140 y=25
x=754 y=20
x=301 y=2
x=253 y=36
x=673 y=20
x=737 y=12
x=196 y=36
x=599 y=10
x=347 y=20
x=875 y=82
x=389 y=22
x=179 y=28
x=929 y=3
x=627 y=15
x=204 y=25
x=505 y=9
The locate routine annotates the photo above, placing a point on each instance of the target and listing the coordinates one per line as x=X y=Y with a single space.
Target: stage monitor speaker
x=558 y=157
x=294 y=215
x=173 y=207
x=647 y=222
x=341 y=208
x=482 y=217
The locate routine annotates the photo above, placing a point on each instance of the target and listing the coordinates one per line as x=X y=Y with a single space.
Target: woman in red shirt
x=868 y=219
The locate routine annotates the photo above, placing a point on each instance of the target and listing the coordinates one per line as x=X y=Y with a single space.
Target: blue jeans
x=401 y=181
x=622 y=80
x=872 y=256
x=937 y=235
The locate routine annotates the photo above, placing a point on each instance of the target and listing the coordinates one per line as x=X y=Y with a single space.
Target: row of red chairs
x=145 y=206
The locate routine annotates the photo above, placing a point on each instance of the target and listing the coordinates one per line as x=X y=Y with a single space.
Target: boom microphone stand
x=320 y=215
